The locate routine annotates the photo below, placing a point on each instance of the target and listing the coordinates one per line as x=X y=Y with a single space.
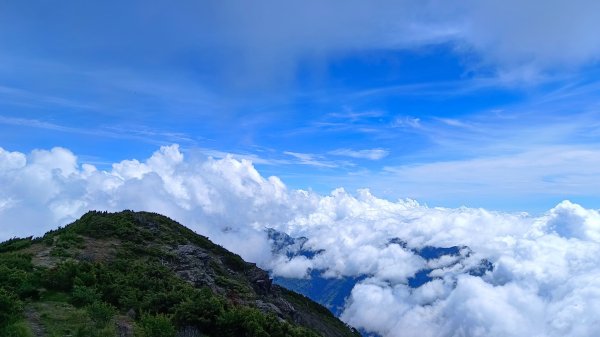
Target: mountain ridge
x=146 y=270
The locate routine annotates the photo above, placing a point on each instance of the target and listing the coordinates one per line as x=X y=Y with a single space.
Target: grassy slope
x=124 y=272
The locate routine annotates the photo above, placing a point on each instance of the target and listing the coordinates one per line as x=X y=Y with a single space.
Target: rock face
x=261 y=282
x=200 y=267
x=192 y=264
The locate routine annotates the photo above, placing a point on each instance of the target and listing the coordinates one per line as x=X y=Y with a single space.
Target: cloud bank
x=518 y=39
x=269 y=38
x=544 y=280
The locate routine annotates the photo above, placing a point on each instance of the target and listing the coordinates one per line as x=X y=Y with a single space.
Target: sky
x=351 y=123
x=482 y=104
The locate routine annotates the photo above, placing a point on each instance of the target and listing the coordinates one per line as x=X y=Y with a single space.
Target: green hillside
x=144 y=275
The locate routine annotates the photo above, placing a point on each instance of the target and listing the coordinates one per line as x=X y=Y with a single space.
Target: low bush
x=17 y=329
x=156 y=326
x=100 y=313
x=10 y=307
x=82 y=296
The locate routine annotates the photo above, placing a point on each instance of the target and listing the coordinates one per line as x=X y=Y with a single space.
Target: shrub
x=101 y=313
x=242 y=322
x=60 y=277
x=89 y=331
x=19 y=329
x=15 y=244
x=69 y=240
x=234 y=261
x=11 y=278
x=59 y=252
x=157 y=326
x=202 y=311
x=10 y=307
x=83 y=295
x=17 y=261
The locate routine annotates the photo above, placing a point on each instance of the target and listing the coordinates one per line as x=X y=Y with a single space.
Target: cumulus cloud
x=535 y=288
x=570 y=220
x=295 y=267
x=47 y=188
x=545 y=269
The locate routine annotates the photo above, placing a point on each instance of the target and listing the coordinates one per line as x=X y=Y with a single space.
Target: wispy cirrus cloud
x=406 y=122
x=21 y=97
x=531 y=179
x=313 y=160
x=140 y=133
x=371 y=154
x=560 y=170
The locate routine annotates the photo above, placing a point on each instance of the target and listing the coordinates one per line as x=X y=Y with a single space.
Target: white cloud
x=266 y=40
x=11 y=160
x=49 y=188
x=407 y=122
x=371 y=154
x=537 y=33
x=311 y=159
x=296 y=267
x=544 y=281
x=518 y=38
x=569 y=220
x=540 y=170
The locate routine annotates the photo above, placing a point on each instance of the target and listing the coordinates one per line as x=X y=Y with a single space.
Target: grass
x=17 y=329
x=54 y=296
x=61 y=319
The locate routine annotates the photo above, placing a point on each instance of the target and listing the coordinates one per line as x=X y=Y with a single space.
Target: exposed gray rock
x=192 y=265
x=268 y=308
x=188 y=332
x=261 y=282
x=124 y=329
x=131 y=313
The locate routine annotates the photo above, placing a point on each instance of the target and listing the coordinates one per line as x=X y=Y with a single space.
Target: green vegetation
x=109 y=270
x=62 y=319
x=15 y=244
x=156 y=326
x=10 y=315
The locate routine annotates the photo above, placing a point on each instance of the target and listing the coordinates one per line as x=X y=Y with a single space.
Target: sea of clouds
x=545 y=280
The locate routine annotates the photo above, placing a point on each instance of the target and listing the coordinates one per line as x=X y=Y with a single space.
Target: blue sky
x=485 y=105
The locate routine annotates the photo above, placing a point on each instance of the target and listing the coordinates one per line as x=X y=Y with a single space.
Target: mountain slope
x=120 y=274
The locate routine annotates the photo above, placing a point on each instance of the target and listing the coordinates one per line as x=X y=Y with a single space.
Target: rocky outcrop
x=192 y=264
x=261 y=282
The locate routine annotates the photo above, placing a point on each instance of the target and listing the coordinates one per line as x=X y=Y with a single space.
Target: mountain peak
x=144 y=264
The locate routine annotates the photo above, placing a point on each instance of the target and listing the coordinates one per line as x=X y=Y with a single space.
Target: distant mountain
x=142 y=274
x=333 y=292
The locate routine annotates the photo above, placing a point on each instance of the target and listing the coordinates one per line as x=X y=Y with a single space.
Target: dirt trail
x=34 y=321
